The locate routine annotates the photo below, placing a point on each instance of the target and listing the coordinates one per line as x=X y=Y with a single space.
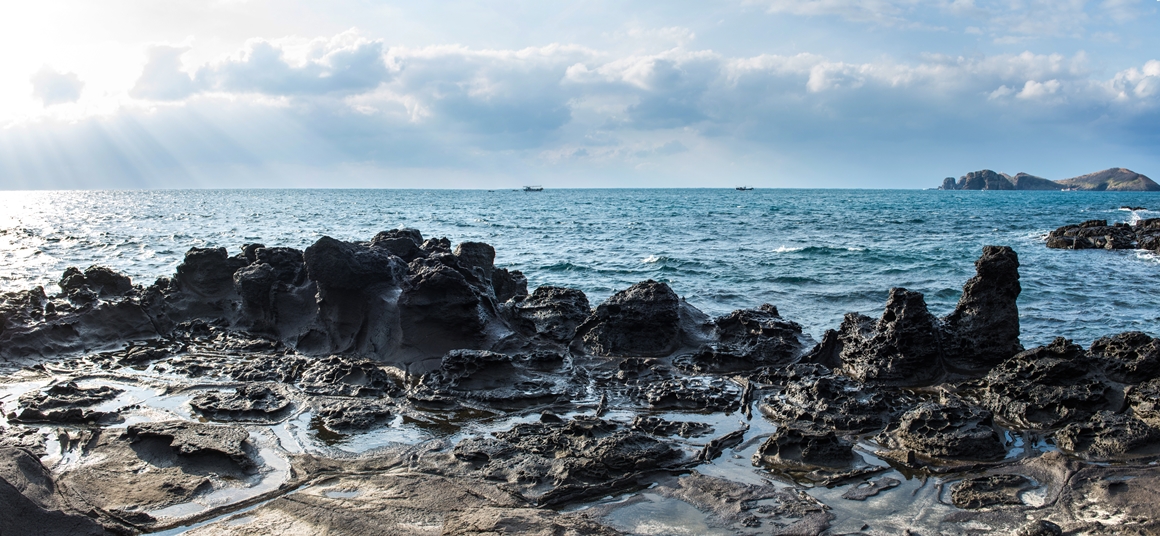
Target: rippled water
x=815 y=254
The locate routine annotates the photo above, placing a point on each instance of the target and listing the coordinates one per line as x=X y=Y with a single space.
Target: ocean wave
x=784 y=249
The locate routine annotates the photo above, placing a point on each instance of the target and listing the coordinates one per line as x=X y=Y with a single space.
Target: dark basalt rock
x=952 y=430
x=477 y=258
x=489 y=377
x=1130 y=357
x=63 y=403
x=1049 y=386
x=510 y=285
x=192 y=439
x=1093 y=234
x=983 y=330
x=816 y=399
x=1041 y=527
x=553 y=464
x=986 y=491
x=402 y=243
x=551 y=313
x=249 y=402
x=346 y=376
x=795 y=448
x=1144 y=399
x=282 y=369
x=1109 y=436
x=702 y=393
x=34 y=326
x=351 y=415
x=440 y=311
x=657 y=426
x=208 y=272
x=902 y=348
x=642 y=320
x=335 y=264
x=747 y=339
x=96 y=280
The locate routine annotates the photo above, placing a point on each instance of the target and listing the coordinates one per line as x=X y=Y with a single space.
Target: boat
x=744 y=188
x=533 y=188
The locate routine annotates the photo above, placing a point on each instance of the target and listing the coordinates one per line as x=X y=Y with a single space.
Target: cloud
x=53 y=87
x=344 y=64
x=162 y=78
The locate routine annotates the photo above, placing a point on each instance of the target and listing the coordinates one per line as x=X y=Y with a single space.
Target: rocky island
x=1114 y=179
x=403 y=386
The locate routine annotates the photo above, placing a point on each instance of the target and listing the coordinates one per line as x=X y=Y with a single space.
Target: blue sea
x=815 y=254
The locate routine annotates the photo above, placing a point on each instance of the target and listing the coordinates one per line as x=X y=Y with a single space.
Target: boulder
x=746 y=339
x=335 y=264
x=1107 y=436
x=952 y=430
x=551 y=313
x=902 y=348
x=439 y=311
x=791 y=447
x=508 y=285
x=208 y=272
x=983 y=330
x=642 y=320
x=1130 y=357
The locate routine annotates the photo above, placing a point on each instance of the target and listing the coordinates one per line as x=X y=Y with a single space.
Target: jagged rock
x=820 y=400
x=952 y=430
x=33 y=326
x=901 y=348
x=191 y=439
x=402 y=243
x=983 y=330
x=554 y=464
x=249 y=402
x=527 y=521
x=983 y=180
x=101 y=281
x=994 y=490
x=660 y=427
x=1048 y=386
x=282 y=369
x=747 y=339
x=346 y=376
x=552 y=313
x=208 y=272
x=1108 y=436
x=795 y=448
x=642 y=320
x=489 y=377
x=510 y=285
x=351 y=415
x=335 y=264
x=1041 y=527
x=1144 y=399
x=1093 y=234
x=478 y=258
x=1130 y=357
x=714 y=394
x=64 y=403
x=440 y=311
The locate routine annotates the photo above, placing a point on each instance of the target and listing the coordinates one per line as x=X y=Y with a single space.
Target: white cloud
x=53 y=87
x=162 y=77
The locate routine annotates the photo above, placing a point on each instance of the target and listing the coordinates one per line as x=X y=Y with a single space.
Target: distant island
x=1114 y=179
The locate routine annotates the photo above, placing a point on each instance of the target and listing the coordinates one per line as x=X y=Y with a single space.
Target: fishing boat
x=533 y=188
x=744 y=188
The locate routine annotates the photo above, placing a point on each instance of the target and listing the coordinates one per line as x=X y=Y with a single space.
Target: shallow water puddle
x=652 y=514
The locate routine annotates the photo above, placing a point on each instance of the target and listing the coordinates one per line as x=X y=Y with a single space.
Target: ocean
x=815 y=254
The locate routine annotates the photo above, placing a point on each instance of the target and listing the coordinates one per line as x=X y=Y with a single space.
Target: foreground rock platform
x=405 y=386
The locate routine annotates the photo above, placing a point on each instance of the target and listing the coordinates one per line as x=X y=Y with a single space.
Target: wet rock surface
x=1097 y=234
x=414 y=386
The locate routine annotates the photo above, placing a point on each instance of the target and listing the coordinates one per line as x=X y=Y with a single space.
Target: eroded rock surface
x=642 y=320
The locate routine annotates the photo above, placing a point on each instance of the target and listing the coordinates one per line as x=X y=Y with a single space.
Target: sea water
x=815 y=254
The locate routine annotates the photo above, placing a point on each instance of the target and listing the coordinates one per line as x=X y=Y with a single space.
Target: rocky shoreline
x=404 y=386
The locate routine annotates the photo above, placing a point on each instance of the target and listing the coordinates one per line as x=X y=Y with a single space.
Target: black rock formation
x=642 y=320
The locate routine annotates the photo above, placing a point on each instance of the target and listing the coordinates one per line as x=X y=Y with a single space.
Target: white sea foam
x=784 y=249
x=651 y=259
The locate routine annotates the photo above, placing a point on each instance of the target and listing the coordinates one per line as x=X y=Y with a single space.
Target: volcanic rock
x=554 y=464
x=1130 y=357
x=402 y=243
x=64 y=403
x=97 y=281
x=1108 y=436
x=346 y=376
x=1144 y=399
x=351 y=415
x=700 y=393
x=508 y=285
x=1093 y=234
x=249 y=402
x=820 y=400
x=952 y=430
x=983 y=330
x=488 y=377
x=335 y=264
x=440 y=311
x=994 y=490
x=551 y=313
x=747 y=339
x=642 y=320
x=192 y=439
x=32 y=502
x=208 y=272
x=657 y=426
x=900 y=349
x=795 y=448
x=1049 y=386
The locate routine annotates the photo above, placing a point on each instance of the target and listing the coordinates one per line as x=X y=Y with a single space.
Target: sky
x=566 y=94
